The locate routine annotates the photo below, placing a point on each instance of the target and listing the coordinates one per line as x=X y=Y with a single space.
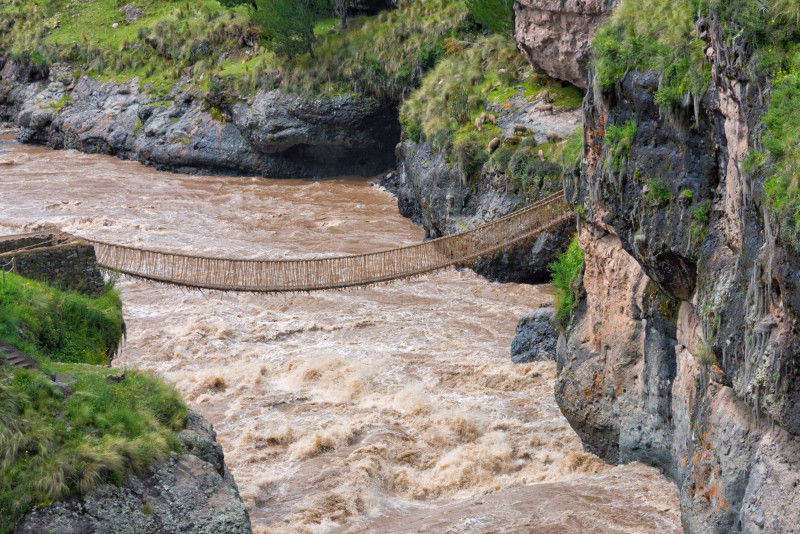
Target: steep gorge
x=682 y=351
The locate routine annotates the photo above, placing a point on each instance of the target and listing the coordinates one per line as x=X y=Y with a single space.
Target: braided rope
x=234 y=274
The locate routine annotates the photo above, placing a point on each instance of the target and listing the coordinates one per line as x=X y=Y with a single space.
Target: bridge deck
x=234 y=274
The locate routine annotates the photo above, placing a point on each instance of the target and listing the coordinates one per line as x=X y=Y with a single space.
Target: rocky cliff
x=270 y=134
x=555 y=36
x=191 y=492
x=435 y=195
x=683 y=352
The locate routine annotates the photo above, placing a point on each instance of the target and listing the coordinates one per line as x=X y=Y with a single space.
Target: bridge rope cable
x=272 y=276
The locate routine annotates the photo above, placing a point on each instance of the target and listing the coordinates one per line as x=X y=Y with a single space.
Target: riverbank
x=338 y=408
x=83 y=443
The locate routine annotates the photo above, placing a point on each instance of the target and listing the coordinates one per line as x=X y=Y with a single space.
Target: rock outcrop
x=683 y=354
x=555 y=36
x=270 y=134
x=435 y=195
x=54 y=257
x=535 y=339
x=191 y=492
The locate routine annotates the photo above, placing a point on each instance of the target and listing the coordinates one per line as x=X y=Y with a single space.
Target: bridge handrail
x=559 y=195
x=236 y=274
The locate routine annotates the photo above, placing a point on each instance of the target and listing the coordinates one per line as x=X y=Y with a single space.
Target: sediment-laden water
x=385 y=409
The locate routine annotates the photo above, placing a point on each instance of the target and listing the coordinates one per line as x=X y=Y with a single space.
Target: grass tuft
x=567 y=278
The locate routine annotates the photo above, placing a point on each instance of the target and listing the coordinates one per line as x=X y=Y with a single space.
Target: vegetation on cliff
x=57 y=441
x=654 y=35
x=567 y=273
x=663 y=36
x=224 y=49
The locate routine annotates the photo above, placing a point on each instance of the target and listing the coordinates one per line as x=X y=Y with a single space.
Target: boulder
x=535 y=340
x=555 y=36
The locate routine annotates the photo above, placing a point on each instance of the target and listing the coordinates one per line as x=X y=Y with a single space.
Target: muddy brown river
x=385 y=409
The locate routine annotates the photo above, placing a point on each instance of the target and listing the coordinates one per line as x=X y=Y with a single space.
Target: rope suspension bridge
x=273 y=276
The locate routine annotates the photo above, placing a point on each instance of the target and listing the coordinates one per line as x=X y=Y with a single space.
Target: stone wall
x=58 y=259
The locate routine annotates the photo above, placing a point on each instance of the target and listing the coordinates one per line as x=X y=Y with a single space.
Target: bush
x=469 y=154
x=458 y=104
x=782 y=187
x=566 y=275
x=658 y=193
x=619 y=140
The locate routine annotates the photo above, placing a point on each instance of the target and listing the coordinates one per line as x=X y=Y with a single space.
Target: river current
x=386 y=409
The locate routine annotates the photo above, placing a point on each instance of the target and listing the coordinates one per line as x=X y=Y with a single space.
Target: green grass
x=658 y=193
x=566 y=278
x=50 y=445
x=476 y=75
x=781 y=145
x=384 y=55
x=657 y=35
x=64 y=326
x=619 y=140
x=481 y=77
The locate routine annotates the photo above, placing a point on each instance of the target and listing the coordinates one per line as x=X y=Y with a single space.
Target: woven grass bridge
x=271 y=276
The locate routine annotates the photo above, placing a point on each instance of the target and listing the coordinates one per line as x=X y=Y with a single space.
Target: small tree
x=340 y=10
x=288 y=24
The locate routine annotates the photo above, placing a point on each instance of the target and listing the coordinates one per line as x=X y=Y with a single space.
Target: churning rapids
x=386 y=409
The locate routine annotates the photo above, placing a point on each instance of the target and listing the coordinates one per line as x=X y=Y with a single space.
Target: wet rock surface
x=191 y=492
x=270 y=134
x=682 y=353
x=535 y=338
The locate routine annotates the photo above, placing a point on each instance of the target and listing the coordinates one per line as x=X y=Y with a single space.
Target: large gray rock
x=535 y=340
x=190 y=493
x=556 y=36
x=270 y=134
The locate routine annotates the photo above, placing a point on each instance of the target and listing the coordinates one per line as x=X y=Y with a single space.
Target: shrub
x=658 y=193
x=573 y=150
x=469 y=154
x=782 y=187
x=619 y=140
x=566 y=275
x=414 y=131
x=458 y=104
x=497 y=15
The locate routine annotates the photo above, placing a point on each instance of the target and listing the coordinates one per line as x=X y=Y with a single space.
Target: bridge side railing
x=234 y=274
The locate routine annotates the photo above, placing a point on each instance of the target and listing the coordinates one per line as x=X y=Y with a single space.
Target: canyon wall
x=270 y=134
x=682 y=351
